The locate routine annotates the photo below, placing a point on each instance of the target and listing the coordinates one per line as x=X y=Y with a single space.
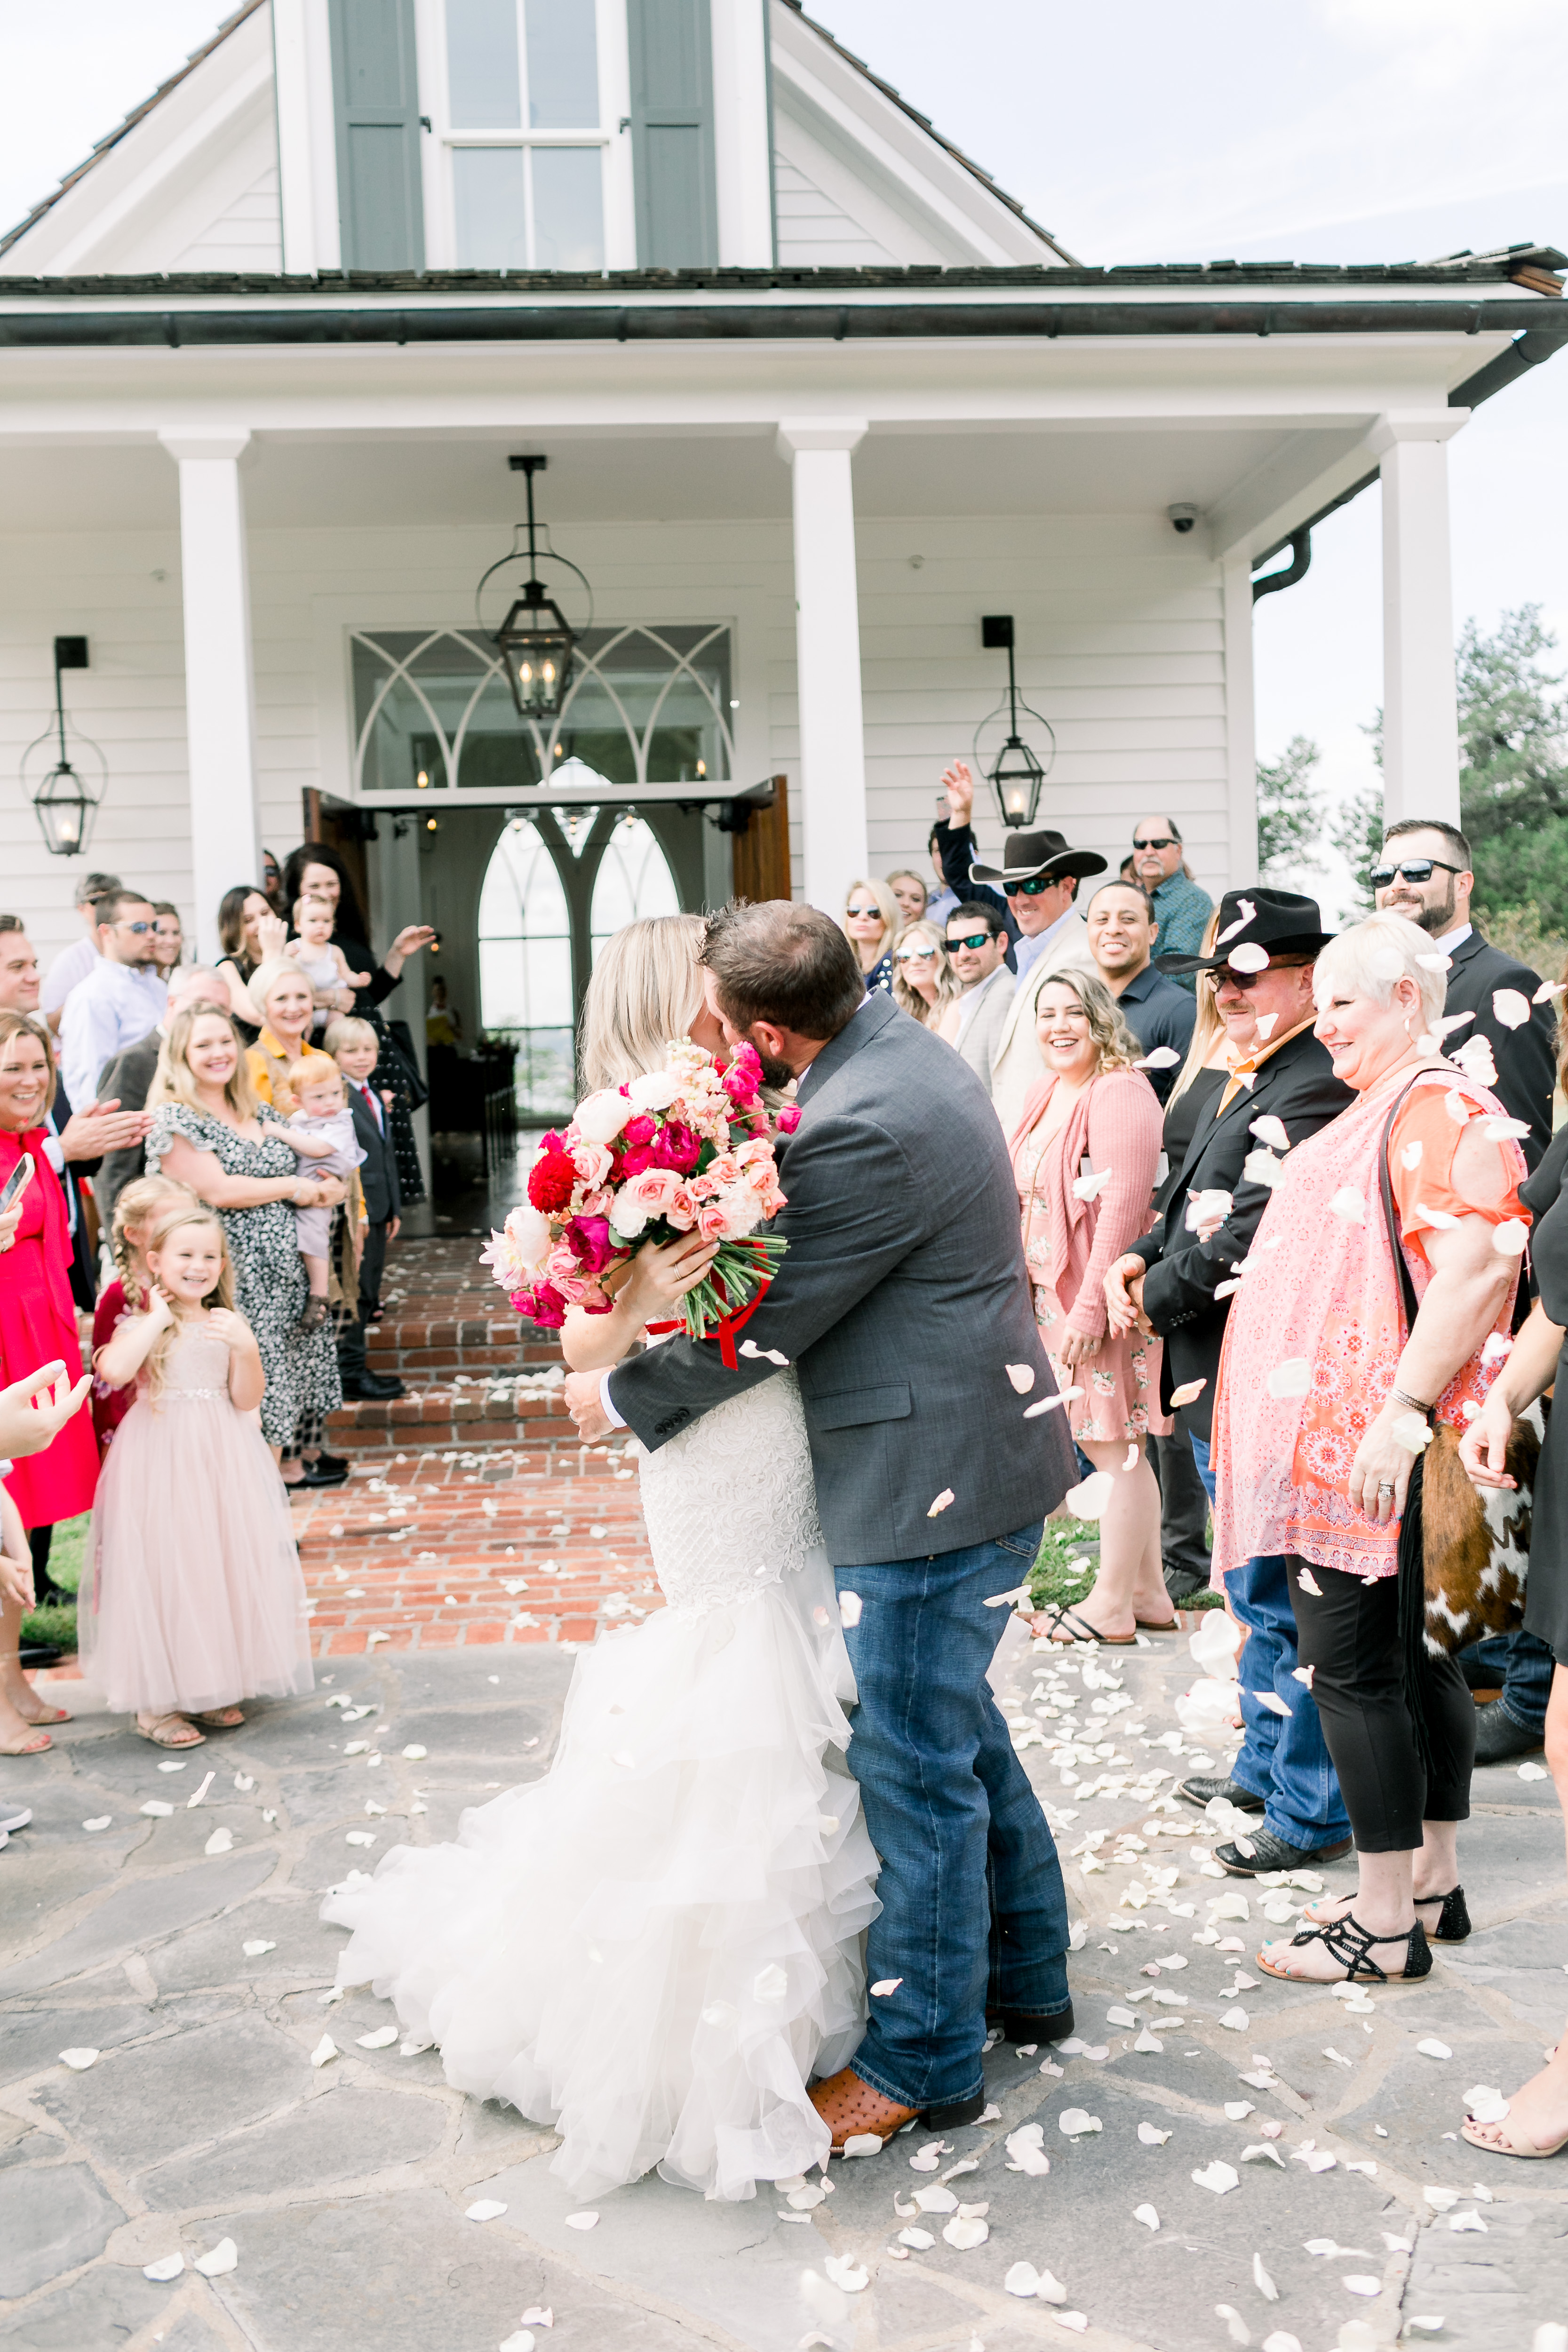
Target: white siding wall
x=245 y=237
x=815 y=231
x=1121 y=638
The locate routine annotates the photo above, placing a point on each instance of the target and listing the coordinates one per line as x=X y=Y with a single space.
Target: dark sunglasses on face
x=1157 y=841
x=136 y=929
x=917 y=955
x=974 y=940
x=1034 y=886
x=1245 y=980
x=1414 y=869
x=876 y=911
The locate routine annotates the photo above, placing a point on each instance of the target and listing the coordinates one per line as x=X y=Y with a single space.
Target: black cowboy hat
x=1028 y=854
x=1281 y=921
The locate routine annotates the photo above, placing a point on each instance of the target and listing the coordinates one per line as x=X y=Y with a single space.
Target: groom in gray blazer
x=904 y=1306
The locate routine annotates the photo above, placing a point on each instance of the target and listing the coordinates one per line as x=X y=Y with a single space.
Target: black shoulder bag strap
x=1412 y=1552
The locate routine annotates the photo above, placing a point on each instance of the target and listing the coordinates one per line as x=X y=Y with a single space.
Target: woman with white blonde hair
x=655 y=1947
x=1377 y=1299
x=872 y=921
x=924 y=981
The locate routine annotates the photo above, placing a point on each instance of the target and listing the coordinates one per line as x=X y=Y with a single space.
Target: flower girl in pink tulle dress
x=193 y=1597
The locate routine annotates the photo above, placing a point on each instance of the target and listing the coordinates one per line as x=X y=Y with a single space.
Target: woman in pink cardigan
x=1085 y=1156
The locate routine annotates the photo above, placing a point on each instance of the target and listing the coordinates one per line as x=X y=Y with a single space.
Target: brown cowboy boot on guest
x=849 y=2106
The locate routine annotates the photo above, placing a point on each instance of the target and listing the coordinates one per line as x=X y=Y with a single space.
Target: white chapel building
x=815 y=396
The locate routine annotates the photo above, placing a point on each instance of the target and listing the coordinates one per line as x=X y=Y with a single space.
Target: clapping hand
x=27 y=1421
x=89 y=1133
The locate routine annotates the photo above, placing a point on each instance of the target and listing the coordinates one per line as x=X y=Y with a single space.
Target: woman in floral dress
x=1085 y=1155
x=210 y=1133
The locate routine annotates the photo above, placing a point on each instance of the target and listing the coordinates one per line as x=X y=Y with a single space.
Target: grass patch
x=53 y=1627
x=1068 y=1561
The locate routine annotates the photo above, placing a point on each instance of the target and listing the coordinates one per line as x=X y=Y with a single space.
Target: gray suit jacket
x=985 y=1023
x=902 y=1302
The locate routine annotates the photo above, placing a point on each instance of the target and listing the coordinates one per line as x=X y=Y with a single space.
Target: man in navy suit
x=354 y=1046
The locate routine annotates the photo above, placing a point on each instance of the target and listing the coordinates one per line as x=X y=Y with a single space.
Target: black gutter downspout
x=1297 y=569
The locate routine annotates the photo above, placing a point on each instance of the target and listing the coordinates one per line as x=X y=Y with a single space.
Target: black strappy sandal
x=1347 y=1941
x=1453 y=1920
x=1062 y=1619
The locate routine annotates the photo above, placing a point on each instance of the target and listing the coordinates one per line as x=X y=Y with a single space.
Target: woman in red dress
x=37 y=1325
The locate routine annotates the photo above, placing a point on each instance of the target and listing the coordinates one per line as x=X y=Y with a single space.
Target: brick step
x=440 y=1413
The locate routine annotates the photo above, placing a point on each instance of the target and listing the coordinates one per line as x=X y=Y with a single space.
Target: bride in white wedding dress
x=655 y=1947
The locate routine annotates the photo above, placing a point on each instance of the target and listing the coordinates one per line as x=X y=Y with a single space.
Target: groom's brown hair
x=780 y=962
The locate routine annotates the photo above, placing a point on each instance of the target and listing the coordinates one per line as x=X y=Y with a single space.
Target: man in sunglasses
x=976 y=949
x=1182 y=907
x=1173 y=1275
x=121 y=999
x=1425 y=876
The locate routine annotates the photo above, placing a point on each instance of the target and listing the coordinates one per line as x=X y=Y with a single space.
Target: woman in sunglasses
x=871 y=923
x=924 y=982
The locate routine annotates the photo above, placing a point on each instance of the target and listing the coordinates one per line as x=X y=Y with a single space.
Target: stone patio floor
x=345 y=2186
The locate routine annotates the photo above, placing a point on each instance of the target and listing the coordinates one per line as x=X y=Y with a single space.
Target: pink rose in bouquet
x=685 y=1147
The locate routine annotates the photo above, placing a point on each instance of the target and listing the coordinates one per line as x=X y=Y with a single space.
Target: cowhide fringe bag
x=1464 y=1551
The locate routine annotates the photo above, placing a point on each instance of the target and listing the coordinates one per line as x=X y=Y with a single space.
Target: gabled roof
x=967 y=163
x=137 y=114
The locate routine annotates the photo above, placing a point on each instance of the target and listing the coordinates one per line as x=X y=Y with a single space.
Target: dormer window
x=521 y=127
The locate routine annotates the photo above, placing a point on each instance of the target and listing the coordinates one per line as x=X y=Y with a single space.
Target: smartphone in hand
x=21 y=1176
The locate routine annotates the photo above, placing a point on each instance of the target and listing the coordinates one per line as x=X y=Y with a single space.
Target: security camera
x=1183 y=516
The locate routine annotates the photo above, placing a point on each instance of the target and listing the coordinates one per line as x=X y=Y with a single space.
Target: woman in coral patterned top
x=1325 y=1404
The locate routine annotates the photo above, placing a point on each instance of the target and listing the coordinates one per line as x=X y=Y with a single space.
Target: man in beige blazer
x=1039 y=876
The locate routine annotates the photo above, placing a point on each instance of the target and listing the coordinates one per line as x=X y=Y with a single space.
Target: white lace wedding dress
x=656 y=1947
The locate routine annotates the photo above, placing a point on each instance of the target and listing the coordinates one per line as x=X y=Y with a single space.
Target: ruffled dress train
x=656 y=1947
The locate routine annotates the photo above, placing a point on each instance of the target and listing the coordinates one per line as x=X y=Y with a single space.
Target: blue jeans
x=972 y=1904
x=1522 y=1665
x=1284 y=1757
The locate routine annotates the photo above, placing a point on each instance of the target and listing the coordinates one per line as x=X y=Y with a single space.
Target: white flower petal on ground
x=1469 y=2221
x=863 y=2144
x=1330 y=2053
x=1076 y=2121
x=849 y=1607
x=382 y=2039
x=1280 y=2341
x=1432 y=2324
x=1089 y=1499
x=156 y=1810
x=1218 y=2176
x=1441 y=2199
x=359 y=1837
x=1292 y=1378
x=1234 y=2326
x=1485 y=2104
x=1152 y=2136
x=167 y=1766
x=167 y=2267
x=941 y=1502
x=1533 y=1772
x=1147 y=2215
x=1434 y=2049
x=1022 y=1376
x=1262 y=2147
x=1022 y=2279
x=807 y=2197
x=1077 y=2320
x=102 y=1822
x=223 y=2257
x=78 y=2060
x=1361 y=2286
x=254 y=1949
x=936 y=2201
x=1189 y=1392
x=194 y=1799
x=325 y=2050
x=922 y=2242
x=1150 y=2043
x=520 y=2340
x=1122 y=2017
x=220 y=1842
x=416 y=1754
x=1235 y=2021
x=844 y=2271
x=965 y=2232
x=1239 y=2109
x=488 y=2209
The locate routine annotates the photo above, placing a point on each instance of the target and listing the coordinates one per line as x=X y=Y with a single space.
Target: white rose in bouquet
x=655 y=1091
x=601 y=1118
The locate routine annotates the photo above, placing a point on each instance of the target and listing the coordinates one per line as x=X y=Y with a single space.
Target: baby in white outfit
x=323 y=965
x=322 y=1115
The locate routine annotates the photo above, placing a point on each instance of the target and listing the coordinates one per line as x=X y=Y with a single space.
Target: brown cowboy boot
x=849 y=2106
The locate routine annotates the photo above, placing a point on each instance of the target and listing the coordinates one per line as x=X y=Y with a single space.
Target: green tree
x=1289 y=810
x=1513 y=780
x=1355 y=830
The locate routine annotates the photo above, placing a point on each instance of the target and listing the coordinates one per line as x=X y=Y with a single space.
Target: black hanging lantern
x=535 y=640
x=64 y=797
x=1015 y=774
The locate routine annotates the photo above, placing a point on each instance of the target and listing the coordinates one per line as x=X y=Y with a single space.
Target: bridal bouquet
x=683 y=1149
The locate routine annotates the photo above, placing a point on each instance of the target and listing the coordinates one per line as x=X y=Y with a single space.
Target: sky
x=1246 y=130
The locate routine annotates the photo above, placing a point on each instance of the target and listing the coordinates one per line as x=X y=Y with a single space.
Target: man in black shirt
x=1121 y=928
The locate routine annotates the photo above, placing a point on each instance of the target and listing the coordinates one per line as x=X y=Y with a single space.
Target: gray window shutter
x=375 y=94
x=672 y=134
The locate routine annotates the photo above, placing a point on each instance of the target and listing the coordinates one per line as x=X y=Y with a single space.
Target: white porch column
x=1420 y=717
x=828 y=655
x=220 y=691
x=1240 y=726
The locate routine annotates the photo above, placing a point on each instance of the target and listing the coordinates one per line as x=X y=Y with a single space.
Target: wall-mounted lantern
x=66 y=795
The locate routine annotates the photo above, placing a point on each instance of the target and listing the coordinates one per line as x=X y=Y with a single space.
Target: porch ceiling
x=358 y=480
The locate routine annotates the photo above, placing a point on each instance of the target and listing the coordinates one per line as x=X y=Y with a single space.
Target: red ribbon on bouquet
x=728 y=1325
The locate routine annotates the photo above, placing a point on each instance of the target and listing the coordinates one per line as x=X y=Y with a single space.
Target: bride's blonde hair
x=645 y=991
x=168 y=1221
